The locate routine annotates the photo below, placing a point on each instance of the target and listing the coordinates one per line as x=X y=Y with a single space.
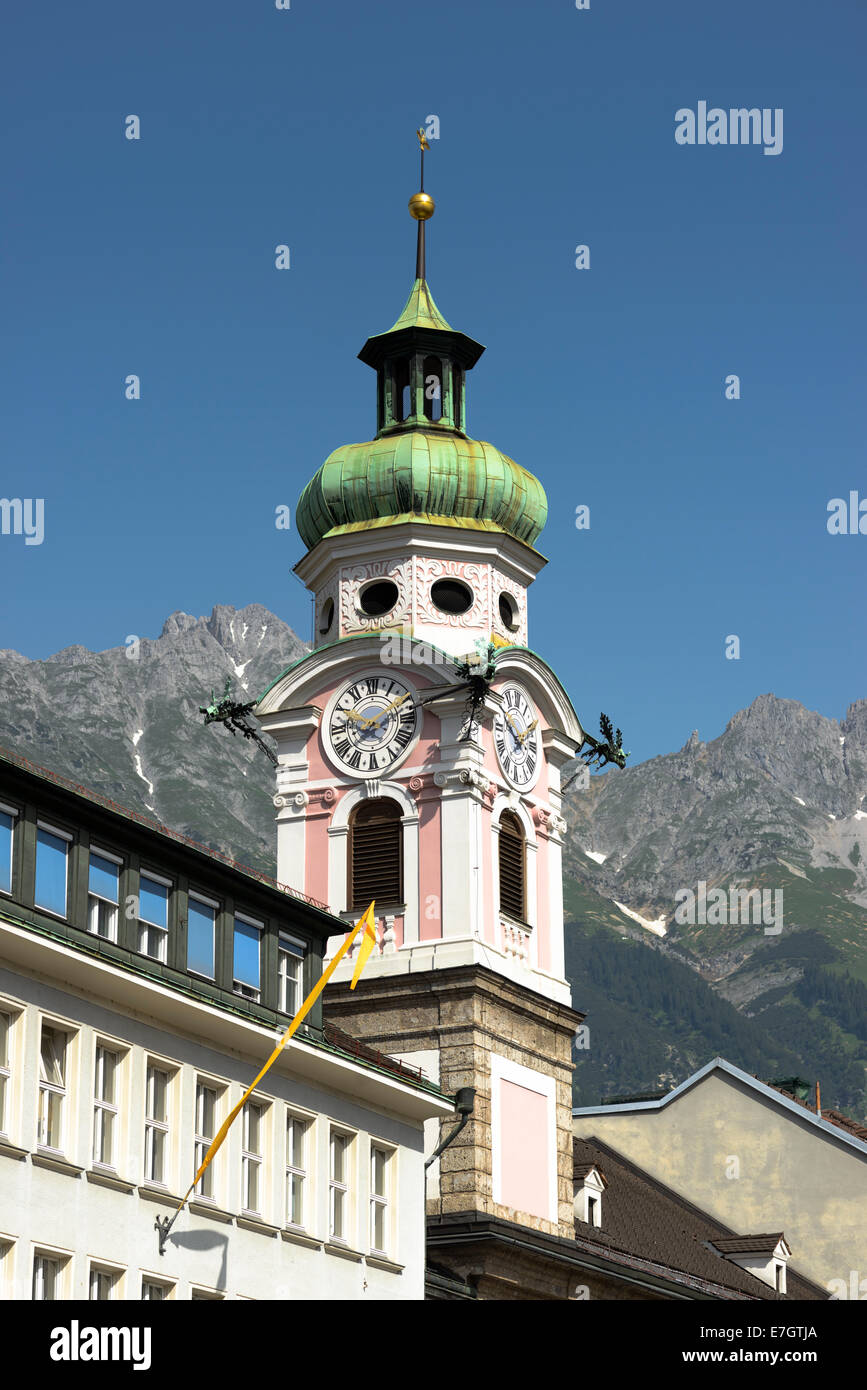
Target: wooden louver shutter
x=511 y=866
x=376 y=854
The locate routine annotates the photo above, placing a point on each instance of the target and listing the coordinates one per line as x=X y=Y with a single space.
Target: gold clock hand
x=388 y=709
x=529 y=729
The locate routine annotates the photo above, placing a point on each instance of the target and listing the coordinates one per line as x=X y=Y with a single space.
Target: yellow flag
x=368 y=941
x=367 y=945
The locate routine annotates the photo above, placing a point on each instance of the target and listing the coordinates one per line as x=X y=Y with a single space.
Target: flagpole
x=164 y=1224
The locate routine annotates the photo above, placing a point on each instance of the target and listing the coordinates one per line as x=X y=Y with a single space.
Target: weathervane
x=236 y=717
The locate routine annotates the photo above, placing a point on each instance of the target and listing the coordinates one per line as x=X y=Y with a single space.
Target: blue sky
x=260 y=127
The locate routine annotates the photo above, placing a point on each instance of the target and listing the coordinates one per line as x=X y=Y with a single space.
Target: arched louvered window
x=512 y=866
x=375 y=854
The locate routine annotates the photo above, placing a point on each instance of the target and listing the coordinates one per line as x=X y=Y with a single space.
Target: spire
x=421 y=361
x=421 y=207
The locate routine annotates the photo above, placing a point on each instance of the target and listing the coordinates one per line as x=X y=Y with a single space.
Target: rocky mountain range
x=778 y=802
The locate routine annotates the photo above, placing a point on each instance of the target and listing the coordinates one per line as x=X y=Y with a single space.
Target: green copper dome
x=443 y=478
x=422 y=464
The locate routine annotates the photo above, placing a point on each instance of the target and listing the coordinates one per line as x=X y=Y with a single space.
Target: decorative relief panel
x=478 y=577
x=352 y=577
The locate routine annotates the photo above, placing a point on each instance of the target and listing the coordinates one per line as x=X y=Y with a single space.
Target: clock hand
x=368 y=723
x=529 y=729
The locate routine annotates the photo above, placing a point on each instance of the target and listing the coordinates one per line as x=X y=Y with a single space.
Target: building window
x=375 y=854
x=251 y=1156
x=52 y=1086
x=153 y=911
x=103 y=890
x=780 y=1278
x=156 y=1124
x=248 y=940
x=5 y=1071
x=52 y=856
x=201 y=927
x=296 y=1169
x=206 y=1114
x=154 y=1291
x=47 y=1278
x=290 y=965
x=103 y=1284
x=511 y=858
x=379 y=1181
x=7 y=830
x=104 y=1105
x=339 y=1185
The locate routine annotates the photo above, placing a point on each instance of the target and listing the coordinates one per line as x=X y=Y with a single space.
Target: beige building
x=755 y=1159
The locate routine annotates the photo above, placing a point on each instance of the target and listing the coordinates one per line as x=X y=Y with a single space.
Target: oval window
x=509 y=615
x=452 y=595
x=378 y=598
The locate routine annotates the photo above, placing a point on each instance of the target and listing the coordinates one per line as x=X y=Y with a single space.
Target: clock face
x=372 y=724
x=517 y=739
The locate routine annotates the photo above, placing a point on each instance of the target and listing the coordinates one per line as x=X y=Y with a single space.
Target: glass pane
x=200 y=938
x=152 y=942
x=2 y=1104
x=52 y=1056
x=251 y=1185
x=377 y=1173
x=101 y=918
x=378 y=1233
x=156 y=1094
x=104 y=1131
x=296 y=1200
x=295 y=1144
x=103 y=877
x=105 y=1065
x=336 y=1211
x=338 y=1148
x=6 y=824
x=4 y=1040
x=51 y=1115
x=153 y=902
x=246 y=954
x=252 y=1115
x=154 y=1292
x=157 y=1137
x=51 y=854
x=206 y=1105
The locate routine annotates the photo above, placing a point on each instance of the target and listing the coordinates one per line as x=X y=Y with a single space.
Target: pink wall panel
x=524 y=1156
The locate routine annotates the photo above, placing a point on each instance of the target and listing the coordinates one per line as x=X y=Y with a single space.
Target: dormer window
x=765 y=1256
x=589 y=1185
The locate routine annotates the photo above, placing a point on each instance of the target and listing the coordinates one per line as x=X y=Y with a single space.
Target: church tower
x=420 y=747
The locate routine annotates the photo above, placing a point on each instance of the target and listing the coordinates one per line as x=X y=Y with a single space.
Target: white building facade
x=115 y=1076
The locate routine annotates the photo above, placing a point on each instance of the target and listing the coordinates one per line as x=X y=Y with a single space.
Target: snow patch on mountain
x=659 y=927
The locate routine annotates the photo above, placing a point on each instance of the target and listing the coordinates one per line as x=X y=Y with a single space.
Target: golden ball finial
x=421 y=206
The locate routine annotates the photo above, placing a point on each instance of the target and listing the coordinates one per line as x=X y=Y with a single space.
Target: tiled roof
x=844 y=1122
x=643 y=1220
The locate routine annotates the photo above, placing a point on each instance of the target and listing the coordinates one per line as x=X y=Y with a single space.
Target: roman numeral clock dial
x=371 y=725
x=517 y=740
